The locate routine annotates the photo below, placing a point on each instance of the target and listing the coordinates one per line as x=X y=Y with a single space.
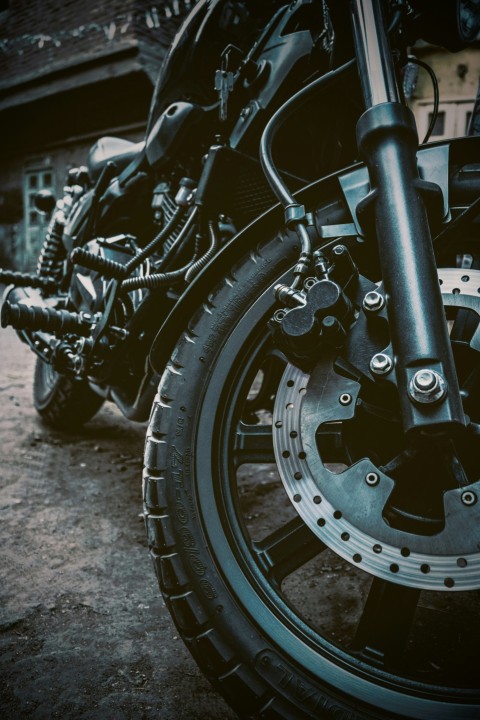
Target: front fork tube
x=387 y=138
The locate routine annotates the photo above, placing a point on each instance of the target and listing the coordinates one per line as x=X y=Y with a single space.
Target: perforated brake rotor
x=345 y=510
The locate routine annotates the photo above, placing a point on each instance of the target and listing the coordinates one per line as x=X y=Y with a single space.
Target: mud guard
x=434 y=161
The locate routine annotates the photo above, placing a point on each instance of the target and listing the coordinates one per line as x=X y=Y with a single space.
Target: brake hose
x=295 y=217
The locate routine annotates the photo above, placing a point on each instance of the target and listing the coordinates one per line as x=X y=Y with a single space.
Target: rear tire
x=62 y=402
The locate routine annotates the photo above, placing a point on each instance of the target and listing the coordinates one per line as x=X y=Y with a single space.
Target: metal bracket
x=432 y=166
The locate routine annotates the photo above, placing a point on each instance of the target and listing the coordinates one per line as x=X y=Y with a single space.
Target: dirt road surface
x=84 y=632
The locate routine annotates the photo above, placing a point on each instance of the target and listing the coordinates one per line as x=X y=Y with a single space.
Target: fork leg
x=387 y=139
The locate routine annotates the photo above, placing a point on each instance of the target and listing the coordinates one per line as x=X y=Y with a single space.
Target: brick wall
x=42 y=36
x=56 y=102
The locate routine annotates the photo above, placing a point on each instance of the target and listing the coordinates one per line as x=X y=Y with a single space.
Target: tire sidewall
x=62 y=402
x=284 y=662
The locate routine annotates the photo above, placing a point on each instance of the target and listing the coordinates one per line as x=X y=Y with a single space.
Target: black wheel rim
x=407 y=685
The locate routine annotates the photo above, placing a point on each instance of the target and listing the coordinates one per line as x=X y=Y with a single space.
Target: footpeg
x=60 y=322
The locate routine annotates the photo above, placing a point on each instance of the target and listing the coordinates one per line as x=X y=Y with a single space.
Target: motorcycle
x=303 y=334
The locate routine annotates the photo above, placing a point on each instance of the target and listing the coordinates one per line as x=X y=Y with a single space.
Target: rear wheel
x=307 y=572
x=62 y=402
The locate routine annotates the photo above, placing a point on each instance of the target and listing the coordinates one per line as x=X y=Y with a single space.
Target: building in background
x=458 y=76
x=70 y=72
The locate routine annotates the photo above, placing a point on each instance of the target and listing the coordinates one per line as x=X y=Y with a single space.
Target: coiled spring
x=52 y=253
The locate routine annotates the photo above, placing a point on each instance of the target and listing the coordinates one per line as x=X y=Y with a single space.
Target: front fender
x=347 y=187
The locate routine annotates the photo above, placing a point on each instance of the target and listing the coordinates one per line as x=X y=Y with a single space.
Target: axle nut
x=427 y=386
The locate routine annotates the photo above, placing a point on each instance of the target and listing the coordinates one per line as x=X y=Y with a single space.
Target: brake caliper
x=322 y=311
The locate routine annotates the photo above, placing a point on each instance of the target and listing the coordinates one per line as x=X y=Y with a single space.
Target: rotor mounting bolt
x=373 y=301
x=425 y=380
x=427 y=386
x=381 y=364
x=469 y=498
x=372 y=479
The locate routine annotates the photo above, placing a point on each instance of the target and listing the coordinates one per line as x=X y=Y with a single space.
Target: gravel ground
x=84 y=633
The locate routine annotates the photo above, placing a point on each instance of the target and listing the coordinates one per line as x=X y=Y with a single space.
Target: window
x=468 y=119
x=439 y=127
x=452 y=120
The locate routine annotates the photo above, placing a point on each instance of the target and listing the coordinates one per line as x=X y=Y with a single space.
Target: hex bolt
x=381 y=364
x=469 y=498
x=372 y=479
x=425 y=380
x=373 y=301
x=345 y=399
x=427 y=386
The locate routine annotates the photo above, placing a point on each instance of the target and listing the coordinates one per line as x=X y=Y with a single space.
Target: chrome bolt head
x=425 y=380
x=469 y=498
x=381 y=364
x=373 y=301
x=427 y=386
x=345 y=399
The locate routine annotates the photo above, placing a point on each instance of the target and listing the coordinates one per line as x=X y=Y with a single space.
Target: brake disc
x=345 y=510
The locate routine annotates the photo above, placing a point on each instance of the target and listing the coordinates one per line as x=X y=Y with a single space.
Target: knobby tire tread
x=68 y=404
x=251 y=694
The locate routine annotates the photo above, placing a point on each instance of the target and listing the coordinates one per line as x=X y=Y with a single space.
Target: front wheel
x=313 y=567
x=62 y=402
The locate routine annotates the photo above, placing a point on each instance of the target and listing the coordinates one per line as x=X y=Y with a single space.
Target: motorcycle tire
x=226 y=543
x=63 y=403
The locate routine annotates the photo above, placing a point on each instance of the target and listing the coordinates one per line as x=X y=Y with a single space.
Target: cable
x=207 y=256
x=181 y=237
x=156 y=280
x=157 y=240
x=436 y=94
x=276 y=182
x=398 y=12
x=294 y=212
